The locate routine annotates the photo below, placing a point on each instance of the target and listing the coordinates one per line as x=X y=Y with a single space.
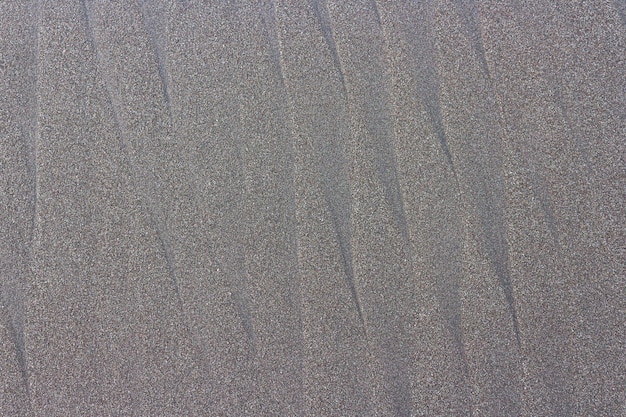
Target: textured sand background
x=316 y=208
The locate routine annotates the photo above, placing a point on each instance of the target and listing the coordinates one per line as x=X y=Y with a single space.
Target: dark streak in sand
x=160 y=56
x=321 y=13
x=114 y=107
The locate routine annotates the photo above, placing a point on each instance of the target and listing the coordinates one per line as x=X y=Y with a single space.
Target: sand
x=318 y=208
